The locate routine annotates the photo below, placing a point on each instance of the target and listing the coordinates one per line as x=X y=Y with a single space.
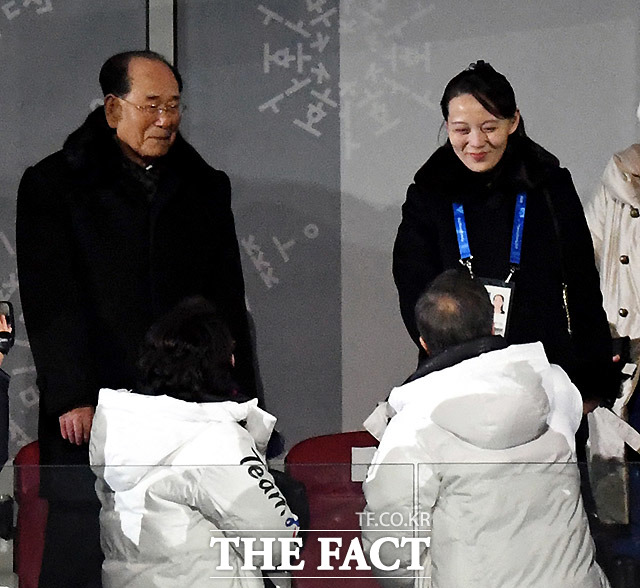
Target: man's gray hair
x=454 y=309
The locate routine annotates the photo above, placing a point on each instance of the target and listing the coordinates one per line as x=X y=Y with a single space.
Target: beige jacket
x=614 y=221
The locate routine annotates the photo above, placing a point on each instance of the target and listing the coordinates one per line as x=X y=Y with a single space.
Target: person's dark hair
x=114 y=74
x=454 y=309
x=487 y=86
x=187 y=354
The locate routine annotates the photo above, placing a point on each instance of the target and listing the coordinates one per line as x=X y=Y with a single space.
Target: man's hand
x=75 y=425
x=4 y=326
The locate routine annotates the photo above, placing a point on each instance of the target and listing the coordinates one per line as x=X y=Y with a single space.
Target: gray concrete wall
x=263 y=104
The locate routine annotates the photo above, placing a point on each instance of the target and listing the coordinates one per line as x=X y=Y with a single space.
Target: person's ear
x=233 y=360
x=493 y=329
x=424 y=345
x=112 y=110
x=515 y=123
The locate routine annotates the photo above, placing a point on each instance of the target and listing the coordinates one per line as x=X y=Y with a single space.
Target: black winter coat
x=101 y=256
x=426 y=245
x=4 y=417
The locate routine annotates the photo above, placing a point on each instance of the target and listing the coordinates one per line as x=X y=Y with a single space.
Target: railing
x=217 y=521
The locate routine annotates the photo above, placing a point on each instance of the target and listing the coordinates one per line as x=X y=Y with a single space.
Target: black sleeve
x=416 y=257
x=52 y=300
x=4 y=417
x=227 y=288
x=594 y=372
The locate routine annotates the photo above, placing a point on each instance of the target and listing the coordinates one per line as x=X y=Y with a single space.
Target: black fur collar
x=524 y=165
x=91 y=151
x=457 y=354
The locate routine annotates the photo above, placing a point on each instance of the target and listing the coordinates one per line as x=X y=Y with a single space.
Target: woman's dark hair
x=488 y=87
x=114 y=74
x=187 y=354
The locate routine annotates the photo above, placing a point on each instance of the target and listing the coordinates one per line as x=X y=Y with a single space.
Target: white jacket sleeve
x=242 y=498
x=565 y=403
x=401 y=489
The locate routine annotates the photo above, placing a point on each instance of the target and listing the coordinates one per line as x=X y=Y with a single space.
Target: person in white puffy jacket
x=479 y=459
x=183 y=465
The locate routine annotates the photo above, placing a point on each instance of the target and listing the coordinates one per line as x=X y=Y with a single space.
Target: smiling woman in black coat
x=486 y=162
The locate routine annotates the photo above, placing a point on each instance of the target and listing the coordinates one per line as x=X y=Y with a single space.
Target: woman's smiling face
x=478 y=137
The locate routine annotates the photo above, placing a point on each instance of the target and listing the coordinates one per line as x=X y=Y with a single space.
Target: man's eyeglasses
x=153 y=111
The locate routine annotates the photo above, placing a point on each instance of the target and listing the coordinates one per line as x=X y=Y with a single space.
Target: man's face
x=146 y=135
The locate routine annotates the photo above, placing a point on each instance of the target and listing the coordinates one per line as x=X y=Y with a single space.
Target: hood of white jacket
x=621 y=176
x=141 y=432
x=493 y=401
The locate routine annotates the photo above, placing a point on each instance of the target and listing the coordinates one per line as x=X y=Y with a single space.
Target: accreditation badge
x=501 y=297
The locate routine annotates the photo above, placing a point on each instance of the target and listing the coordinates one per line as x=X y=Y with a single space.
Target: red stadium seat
x=324 y=465
x=32 y=516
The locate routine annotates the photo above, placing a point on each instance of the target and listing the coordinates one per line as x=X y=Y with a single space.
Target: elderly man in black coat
x=112 y=231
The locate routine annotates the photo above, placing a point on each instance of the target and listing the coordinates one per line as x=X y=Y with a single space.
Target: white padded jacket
x=174 y=474
x=481 y=454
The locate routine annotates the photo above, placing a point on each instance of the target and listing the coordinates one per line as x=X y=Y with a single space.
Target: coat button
x=623 y=312
x=635 y=213
x=624 y=259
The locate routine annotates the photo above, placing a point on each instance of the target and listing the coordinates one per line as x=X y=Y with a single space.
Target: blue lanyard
x=461 y=232
x=516 y=235
x=518 y=229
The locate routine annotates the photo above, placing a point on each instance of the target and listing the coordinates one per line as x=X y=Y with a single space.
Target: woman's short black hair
x=187 y=354
x=487 y=86
x=114 y=74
